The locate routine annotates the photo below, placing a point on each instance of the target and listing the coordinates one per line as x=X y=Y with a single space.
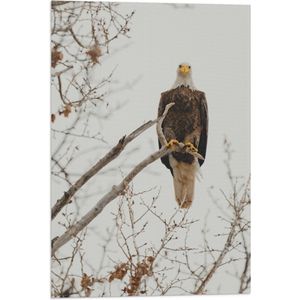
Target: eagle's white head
x=184 y=76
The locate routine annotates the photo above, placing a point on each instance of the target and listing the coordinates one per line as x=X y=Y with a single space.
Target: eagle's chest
x=182 y=118
x=184 y=104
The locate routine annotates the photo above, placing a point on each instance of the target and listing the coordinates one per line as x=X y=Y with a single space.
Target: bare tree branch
x=218 y=262
x=237 y=226
x=116 y=190
x=145 y=269
x=111 y=155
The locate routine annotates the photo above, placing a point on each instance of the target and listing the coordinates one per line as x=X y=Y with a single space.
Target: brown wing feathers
x=186 y=121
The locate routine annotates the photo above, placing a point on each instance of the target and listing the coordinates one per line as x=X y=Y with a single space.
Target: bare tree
x=144 y=268
x=129 y=263
x=82 y=34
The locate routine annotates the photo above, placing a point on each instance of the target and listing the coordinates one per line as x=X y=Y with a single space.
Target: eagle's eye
x=189 y=67
x=180 y=66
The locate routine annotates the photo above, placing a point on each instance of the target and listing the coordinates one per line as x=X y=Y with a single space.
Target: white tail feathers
x=184 y=176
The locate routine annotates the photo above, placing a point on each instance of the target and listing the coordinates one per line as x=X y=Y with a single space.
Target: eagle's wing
x=204 y=127
x=161 y=109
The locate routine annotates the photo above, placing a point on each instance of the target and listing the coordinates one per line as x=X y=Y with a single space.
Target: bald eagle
x=186 y=122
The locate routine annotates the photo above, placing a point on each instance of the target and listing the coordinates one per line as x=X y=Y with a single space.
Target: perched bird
x=186 y=122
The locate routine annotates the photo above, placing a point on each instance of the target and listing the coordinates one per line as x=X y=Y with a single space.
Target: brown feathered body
x=186 y=121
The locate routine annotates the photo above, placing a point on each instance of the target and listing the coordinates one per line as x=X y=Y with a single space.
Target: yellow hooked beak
x=184 y=69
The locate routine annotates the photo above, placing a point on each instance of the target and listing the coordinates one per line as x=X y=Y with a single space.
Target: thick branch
x=114 y=192
x=160 y=120
x=160 y=134
x=111 y=155
x=117 y=190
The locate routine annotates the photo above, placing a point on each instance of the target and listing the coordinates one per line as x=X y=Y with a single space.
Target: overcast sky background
x=215 y=40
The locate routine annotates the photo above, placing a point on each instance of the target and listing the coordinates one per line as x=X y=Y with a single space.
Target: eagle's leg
x=171 y=143
x=191 y=146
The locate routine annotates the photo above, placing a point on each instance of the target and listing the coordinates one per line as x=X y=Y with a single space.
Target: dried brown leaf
x=119 y=273
x=56 y=56
x=94 y=53
x=86 y=283
x=67 y=110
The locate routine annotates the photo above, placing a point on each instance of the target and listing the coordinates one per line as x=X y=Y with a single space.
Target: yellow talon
x=171 y=143
x=191 y=147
